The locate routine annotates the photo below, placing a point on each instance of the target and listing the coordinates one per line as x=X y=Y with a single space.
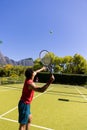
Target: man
x=27 y=96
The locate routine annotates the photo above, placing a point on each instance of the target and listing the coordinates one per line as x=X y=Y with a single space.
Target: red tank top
x=27 y=94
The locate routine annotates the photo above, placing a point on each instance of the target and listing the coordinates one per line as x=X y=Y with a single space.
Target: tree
x=37 y=64
x=80 y=64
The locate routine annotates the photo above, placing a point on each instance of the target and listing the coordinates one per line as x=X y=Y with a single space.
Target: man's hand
x=44 y=68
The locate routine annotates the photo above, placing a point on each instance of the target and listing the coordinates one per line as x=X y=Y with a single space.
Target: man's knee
x=30 y=118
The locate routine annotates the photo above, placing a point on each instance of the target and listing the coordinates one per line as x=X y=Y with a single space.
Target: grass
x=48 y=111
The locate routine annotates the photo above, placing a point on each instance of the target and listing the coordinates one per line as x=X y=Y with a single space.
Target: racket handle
x=51 y=69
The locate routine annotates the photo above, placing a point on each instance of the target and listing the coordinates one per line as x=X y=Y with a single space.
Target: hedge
x=73 y=79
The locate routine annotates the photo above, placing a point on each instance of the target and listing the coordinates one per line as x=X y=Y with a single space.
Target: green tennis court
x=61 y=107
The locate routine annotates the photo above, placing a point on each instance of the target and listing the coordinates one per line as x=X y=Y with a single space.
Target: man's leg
x=29 y=122
x=22 y=127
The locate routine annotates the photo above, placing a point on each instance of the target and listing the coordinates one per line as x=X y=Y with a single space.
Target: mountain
x=6 y=60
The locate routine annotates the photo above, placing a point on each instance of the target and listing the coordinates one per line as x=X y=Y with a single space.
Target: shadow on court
x=67 y=100
x=78 y=95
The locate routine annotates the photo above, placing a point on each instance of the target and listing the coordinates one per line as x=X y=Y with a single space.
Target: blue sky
x=25 y=27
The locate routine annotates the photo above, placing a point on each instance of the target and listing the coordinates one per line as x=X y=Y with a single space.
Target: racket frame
x=49 y=66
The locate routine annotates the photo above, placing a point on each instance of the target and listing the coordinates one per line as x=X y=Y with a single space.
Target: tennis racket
x=46 y=60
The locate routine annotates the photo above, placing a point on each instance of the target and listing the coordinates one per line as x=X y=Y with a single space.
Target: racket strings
x=45 y=58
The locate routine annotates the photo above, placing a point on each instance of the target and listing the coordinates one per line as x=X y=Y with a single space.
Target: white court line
x=8 y=111
x=4 y=90
x=8 y=88
x=81 y=93
x=45 y=128
x=16 y=106
x=1 y=116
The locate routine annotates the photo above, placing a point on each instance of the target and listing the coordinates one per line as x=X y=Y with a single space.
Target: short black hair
x=28 y=73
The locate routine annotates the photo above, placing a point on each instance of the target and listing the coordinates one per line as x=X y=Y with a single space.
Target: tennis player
x=29 y=87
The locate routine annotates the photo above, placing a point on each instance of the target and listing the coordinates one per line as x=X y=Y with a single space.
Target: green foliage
x=9 y=70
x=80 y=64
x=3 y=80
x=37 y=64
x=73 y=79
x=68 y=64
x=12 y=79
